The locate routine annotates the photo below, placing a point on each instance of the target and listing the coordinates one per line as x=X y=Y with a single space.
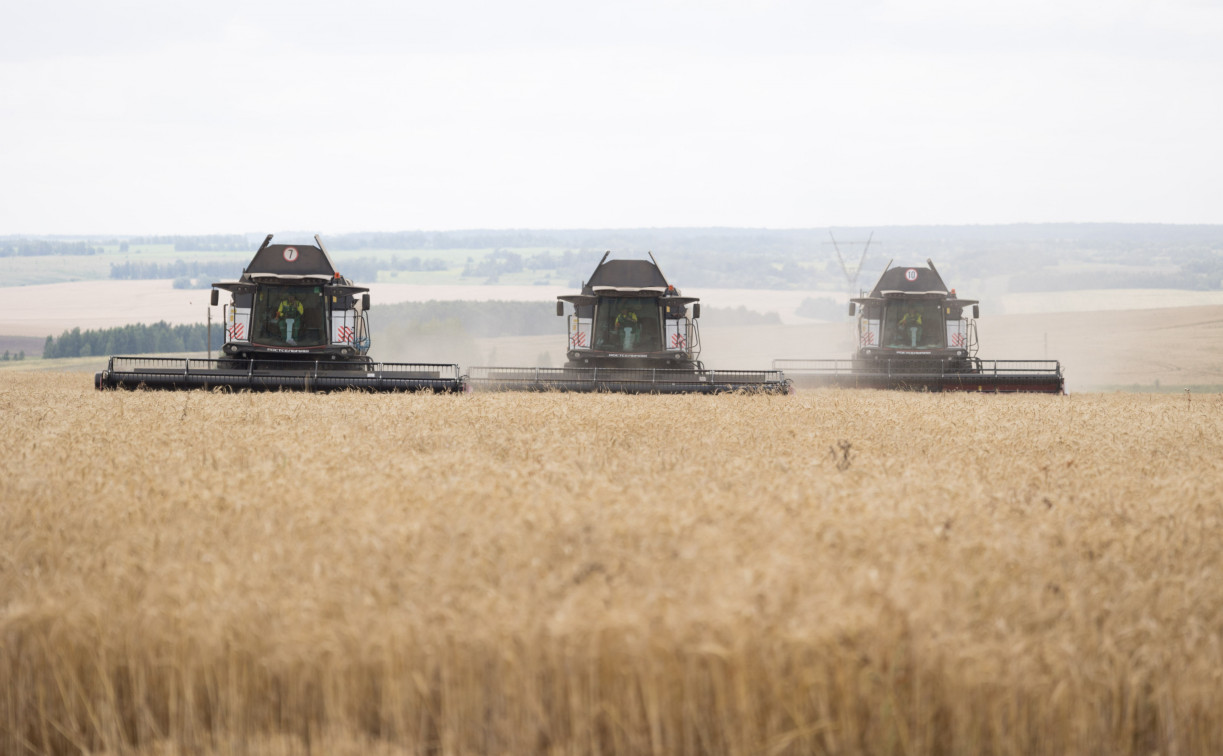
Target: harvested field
x=832 y=572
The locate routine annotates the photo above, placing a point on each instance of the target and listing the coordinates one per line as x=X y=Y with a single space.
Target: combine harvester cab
x=293 y=323
x=914 y=333
x=630 y=331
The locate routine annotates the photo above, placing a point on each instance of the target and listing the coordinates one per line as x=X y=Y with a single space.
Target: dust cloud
x=443 y=342
x=1176 y=347
x=1166 y=348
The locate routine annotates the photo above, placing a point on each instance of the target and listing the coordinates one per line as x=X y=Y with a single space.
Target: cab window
x=914 y=325
x=628 y=324
x=289 y=316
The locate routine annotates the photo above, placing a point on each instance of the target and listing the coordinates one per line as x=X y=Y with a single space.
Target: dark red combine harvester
x=630 y=331
x=914 y=333
x=293 y=324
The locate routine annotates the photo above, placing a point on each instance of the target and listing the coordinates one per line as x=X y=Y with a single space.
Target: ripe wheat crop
x=833 y=572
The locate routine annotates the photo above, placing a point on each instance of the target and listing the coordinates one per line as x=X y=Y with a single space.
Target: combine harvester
x=914 y=333
x=630 y=332
x=295 y=324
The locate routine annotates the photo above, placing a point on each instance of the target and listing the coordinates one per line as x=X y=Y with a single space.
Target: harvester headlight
x=344 y=351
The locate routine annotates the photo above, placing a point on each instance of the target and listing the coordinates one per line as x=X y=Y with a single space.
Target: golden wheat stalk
x=832 y=572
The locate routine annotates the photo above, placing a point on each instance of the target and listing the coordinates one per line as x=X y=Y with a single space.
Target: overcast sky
x=143 y=117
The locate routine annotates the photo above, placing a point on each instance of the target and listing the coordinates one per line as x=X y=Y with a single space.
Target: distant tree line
x=731 y=271
x=491 y=267
x=23 y=247
x=199 y=243
x=365 y=269
x=1054 y=256
x=140 y=270
x=191 y=274
x=683 y=269
x=39 y=247
x=1127 y=240
x=439 y=239
x=133 y=339
x=1203 y=274
x=19 y=356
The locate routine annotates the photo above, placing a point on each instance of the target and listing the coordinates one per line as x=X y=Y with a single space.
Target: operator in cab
x=910 y=326
x=627 y=325
x=289 y=317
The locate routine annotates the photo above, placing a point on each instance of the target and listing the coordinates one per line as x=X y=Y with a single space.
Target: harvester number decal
x=578 y=339
x=910 y=274
x=346 y=334
x=290 y=254
x=677 y=341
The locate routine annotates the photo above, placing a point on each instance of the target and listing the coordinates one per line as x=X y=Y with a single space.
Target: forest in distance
x=1056 y=257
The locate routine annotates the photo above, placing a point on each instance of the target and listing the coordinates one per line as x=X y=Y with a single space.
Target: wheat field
x=831 y=572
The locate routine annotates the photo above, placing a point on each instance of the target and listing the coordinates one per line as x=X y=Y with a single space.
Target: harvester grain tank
x=630 y=331
x=915 y=333
x=293 y=323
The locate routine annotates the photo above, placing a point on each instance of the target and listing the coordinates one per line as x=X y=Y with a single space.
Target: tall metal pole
x=209 y=337
x=851 y=278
